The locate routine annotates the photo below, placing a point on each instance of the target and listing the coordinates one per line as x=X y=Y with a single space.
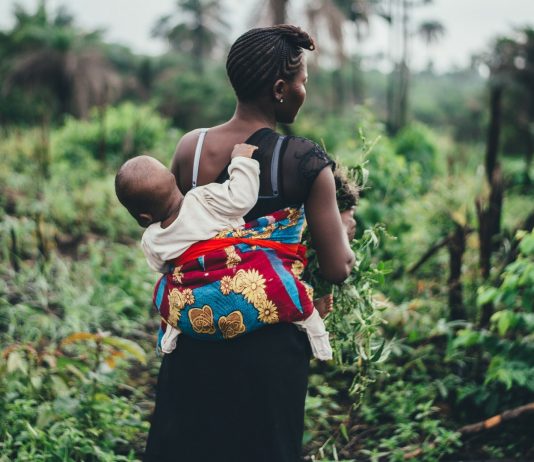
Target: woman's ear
x=279 y=89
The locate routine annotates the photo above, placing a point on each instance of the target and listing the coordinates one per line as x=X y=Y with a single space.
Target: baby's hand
x=243 y=150
x=324 y=305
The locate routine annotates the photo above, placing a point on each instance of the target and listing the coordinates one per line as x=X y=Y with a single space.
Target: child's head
x=347 y=192
x=147 y=189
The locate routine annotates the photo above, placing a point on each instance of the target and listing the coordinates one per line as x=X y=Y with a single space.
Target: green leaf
x=344 y=432
x=127 y=346
x=16 y=361
x=486 y=295
x=526 y=246
x=59 y=386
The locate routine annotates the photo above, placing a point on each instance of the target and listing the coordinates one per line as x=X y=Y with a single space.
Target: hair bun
x=295 y=36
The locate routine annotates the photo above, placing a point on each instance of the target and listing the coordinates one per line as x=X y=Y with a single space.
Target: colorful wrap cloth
x=239 y=281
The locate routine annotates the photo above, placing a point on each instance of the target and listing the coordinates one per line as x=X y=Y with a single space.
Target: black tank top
x=288 y=167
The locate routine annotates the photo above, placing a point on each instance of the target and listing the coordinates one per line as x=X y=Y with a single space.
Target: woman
x=242 y=400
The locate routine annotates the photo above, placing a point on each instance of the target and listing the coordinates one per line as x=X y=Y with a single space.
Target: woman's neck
x=254 y=114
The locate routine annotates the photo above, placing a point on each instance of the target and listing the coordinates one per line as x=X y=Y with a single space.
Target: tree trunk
x=102 y=142
x=489 y=219
x=404 y=76
x=14 y=250
x=404 y=89
x=390 y=94
x=392 y=117
x=494 y=130
x=355 y=81
x=456 y=248
x=528 y=157
x=198 y=44
x=338 y=89
x=279 y=11
x=42 y=150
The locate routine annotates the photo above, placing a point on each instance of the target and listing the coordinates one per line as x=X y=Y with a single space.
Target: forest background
x=433 y=330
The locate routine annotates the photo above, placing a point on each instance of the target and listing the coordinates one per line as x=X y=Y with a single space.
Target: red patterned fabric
x=239 y=281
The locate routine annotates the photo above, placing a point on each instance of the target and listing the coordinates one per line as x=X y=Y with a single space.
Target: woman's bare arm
x=328 y=233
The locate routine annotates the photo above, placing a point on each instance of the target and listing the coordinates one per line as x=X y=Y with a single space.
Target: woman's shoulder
x=186 y=145
x=184 y=153
x=304 y=143
x=309 y=156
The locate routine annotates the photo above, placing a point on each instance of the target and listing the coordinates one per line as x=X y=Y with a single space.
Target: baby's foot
x=243 y=150
x=324 y=305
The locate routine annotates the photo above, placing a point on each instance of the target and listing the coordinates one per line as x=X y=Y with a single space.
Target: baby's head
x=147 y=189
x=347 y=191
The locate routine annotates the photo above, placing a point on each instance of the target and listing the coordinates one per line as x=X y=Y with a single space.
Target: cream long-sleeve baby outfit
x=206 y=211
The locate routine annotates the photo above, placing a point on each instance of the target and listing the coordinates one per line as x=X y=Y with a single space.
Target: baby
x=175 y=222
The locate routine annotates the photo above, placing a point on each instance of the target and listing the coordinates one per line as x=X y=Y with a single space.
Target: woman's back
x=288 y=167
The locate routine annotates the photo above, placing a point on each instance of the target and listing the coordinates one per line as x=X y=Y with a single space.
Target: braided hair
x=261 y=56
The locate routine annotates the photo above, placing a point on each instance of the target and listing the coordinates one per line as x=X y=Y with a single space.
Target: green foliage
x=65 y=386
x=515 y=294
x=509 y=341
x=114 y=136
x=63 y=407
x=453 y=101
x=406 y=418
x=191 y=103
x=415 y=144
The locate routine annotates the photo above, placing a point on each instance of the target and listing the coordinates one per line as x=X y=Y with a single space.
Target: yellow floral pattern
x=202 y=320
x=297 y=268
x=232 y=325
x=251 y=284
x=226 y=285
x=177 y=275
x=293 y=217
x=177 y=300
x=309 y=291
x=174 y=316
x=232 y=258
x=267 y=312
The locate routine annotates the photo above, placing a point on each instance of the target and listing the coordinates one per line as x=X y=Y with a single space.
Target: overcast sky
x=470 y=24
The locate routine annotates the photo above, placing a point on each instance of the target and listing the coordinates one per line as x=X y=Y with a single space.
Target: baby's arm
x=236 y=196
x=243 y=150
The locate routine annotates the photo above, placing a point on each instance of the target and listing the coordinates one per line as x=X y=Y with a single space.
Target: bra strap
x=198 y=153
x=274 y=165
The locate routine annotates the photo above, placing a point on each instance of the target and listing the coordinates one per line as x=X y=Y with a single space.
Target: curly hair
x=261 y=56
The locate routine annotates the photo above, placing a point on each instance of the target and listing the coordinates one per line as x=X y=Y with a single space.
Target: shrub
x=114 y=135
x=415 y=143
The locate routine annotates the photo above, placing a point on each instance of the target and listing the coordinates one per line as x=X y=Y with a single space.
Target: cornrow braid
x=261 y=56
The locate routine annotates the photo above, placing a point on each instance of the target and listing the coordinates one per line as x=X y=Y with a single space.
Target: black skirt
x=239 y=400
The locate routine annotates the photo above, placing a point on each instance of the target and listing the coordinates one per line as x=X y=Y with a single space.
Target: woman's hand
x=349 y=223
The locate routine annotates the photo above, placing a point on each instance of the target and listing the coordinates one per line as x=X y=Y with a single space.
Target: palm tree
x=399 y=16
x=64 y=69
x=431 y=31
x=196 y=28
x=53 y=58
